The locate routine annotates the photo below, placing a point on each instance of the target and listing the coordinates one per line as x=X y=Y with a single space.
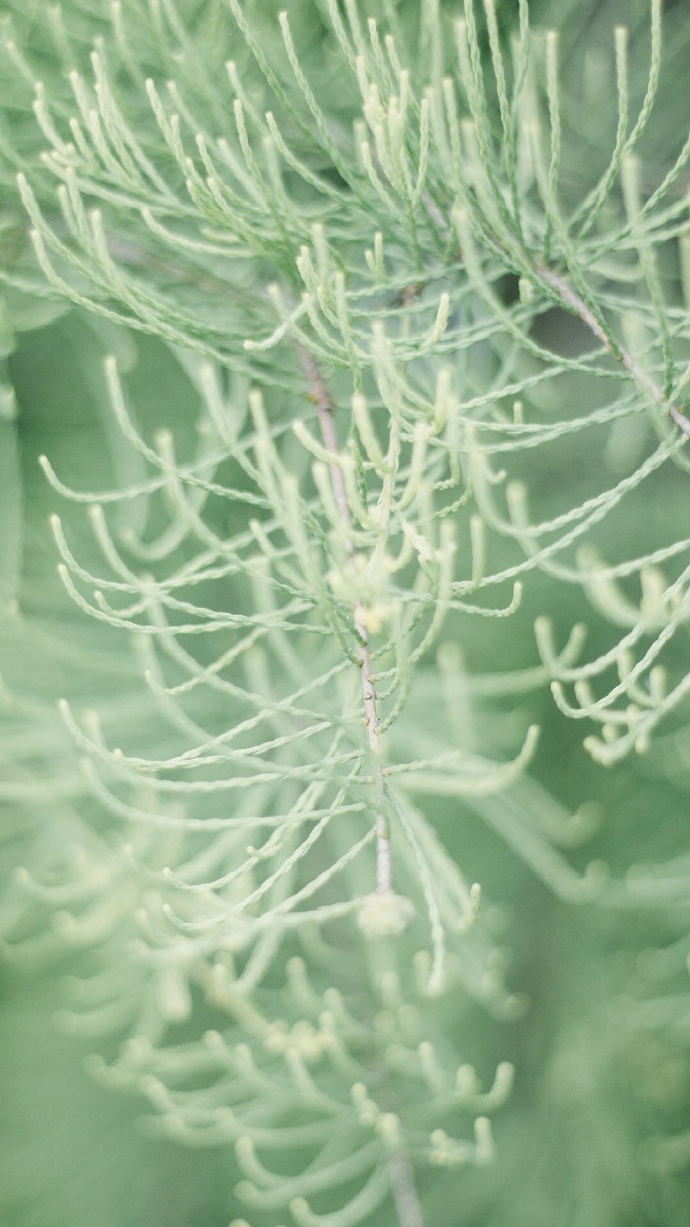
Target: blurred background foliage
x=595 y=1083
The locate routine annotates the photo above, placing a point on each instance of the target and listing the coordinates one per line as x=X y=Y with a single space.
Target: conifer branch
x=318 y=393
x=222 y=813
x=574 y=303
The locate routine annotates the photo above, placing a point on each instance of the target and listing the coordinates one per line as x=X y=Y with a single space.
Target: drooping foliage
x=346 y=351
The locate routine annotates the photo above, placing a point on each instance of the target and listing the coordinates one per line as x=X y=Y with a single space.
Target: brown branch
x=573 y=302
x=324 y=409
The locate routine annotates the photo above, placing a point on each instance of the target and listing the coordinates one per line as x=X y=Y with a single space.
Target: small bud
x=385 y=914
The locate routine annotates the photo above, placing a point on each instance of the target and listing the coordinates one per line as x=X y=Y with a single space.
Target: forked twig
x=574 y=302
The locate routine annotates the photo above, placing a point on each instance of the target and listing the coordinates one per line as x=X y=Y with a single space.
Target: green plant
x=389 y=351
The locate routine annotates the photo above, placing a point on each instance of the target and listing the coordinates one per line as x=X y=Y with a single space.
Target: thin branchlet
x=574 y=303
x=324 y=408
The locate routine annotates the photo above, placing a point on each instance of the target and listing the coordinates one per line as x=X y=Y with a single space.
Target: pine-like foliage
x=356 y=357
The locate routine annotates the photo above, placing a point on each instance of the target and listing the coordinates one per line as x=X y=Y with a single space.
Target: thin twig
x=573 y=301
x=324 y=408
x=404 y=1192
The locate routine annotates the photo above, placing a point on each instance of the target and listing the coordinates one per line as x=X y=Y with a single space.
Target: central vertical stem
x=324 y=409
